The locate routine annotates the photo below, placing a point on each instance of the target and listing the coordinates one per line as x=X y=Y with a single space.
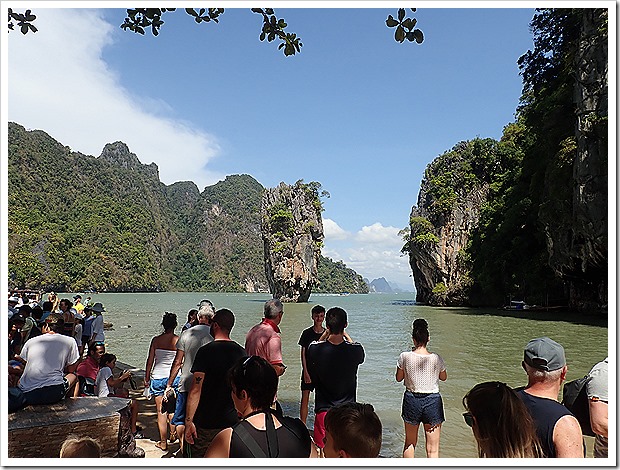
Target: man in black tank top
x=558 y=430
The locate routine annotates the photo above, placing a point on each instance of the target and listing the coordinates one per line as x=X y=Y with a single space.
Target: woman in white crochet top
x=421 y=370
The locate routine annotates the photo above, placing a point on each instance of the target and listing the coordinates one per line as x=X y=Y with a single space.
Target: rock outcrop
x=292 y=230
x=437 y=246
x=577 y=235
x=118 y=154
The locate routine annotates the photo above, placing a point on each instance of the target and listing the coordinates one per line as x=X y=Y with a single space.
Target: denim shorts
x=426 y=408
x=179 y=411
x=158 y=386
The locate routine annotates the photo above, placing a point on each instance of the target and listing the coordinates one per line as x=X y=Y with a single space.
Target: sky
x=356 y=111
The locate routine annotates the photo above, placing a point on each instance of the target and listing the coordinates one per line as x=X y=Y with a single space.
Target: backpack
x=575 y=398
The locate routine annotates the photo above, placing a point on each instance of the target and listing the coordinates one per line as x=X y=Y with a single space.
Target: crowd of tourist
x=220 y=398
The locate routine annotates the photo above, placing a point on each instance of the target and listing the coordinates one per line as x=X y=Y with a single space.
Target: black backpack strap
x=272 y=436
x=249 y=441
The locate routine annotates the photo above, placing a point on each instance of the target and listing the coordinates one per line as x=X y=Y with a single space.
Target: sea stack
x=292 y=230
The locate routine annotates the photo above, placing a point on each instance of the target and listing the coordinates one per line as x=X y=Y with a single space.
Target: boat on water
x=519 y=305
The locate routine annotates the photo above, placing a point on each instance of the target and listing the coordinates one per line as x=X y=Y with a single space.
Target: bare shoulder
x=220 y=446
x=567 y=437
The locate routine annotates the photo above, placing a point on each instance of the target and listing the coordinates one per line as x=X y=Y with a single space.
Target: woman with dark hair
x=501 y=423
x=260 y=433
x=161 y=356
x=192 y=319
x=421 y=370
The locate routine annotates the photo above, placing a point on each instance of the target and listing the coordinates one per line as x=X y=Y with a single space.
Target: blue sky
x=356 y=111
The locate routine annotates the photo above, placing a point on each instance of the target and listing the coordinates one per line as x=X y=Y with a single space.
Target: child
x=352 y=430
x=80 y=447
x=105 y=387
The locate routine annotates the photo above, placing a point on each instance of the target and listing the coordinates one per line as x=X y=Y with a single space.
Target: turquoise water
x=477 y=344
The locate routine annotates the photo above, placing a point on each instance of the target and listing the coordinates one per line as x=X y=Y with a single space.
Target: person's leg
x=433 y=433
x=411 y=440
x=178 y=420
x=134 y=416
x=303 y=408
x=73 y=384
x=162 y=424
x=319 y=431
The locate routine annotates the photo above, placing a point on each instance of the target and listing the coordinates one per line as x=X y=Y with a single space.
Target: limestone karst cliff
x=292 y=230
x=447 y=211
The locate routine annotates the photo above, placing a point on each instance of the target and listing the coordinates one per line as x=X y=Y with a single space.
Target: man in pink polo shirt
x=264 y=339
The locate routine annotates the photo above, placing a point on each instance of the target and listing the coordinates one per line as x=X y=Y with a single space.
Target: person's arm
x=149 y=363
x=220 y=446
x=443 y=375
x=567 y=438
x=346 y=336
x=275 y=354
x=400 y=374
x=193 y=398
x=598 y=417
x=70 y=369
x=304 y=367
x=115 y=382
x=176 y=367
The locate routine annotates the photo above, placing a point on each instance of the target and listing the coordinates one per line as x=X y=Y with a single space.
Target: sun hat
x=544 y=354
x=98 y=307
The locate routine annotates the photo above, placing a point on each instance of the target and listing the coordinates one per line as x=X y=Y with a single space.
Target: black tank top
x=546 y=413
x=293 y=439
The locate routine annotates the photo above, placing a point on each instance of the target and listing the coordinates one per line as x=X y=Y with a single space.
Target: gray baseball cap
x=544 y=354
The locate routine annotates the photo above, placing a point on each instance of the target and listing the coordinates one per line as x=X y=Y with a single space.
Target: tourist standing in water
x=421 y=370
x=309 y=335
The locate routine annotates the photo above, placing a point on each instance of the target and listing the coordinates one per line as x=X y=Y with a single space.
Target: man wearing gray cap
x=558 y=430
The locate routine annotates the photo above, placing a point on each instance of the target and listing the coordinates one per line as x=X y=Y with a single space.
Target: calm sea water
x=478 y=345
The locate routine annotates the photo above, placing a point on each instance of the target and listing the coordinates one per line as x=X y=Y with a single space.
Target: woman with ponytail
x=421 y=370
x=501 y=423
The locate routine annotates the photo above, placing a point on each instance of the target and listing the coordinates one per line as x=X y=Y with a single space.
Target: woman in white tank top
x=421 y=371
x=162 y=351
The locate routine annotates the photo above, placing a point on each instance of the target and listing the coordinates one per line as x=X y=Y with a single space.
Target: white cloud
x=377 y=233
x=333 y=231
x=373 y=252
x=58 y=82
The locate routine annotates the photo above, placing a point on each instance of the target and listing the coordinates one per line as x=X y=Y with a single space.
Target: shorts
x=47 y=395
x=305 y=386
x=201 y=443
x=319 y=429
x=158 y=386
x=179 y=411
x=426 y=408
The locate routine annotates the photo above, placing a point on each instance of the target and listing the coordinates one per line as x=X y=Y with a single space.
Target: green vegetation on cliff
x=335 y=277
x=542 y=229
x=77 y=222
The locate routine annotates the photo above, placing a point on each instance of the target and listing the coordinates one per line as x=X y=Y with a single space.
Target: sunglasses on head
x=469 y=419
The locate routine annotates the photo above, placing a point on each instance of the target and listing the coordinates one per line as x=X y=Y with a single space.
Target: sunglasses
x=469 y=419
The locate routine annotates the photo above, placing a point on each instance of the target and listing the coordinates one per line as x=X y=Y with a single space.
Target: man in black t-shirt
x=333 y=367
x=209 y=405
x=308 y=336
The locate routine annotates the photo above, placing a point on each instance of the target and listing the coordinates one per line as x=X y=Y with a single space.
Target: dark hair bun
x=419 y=324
